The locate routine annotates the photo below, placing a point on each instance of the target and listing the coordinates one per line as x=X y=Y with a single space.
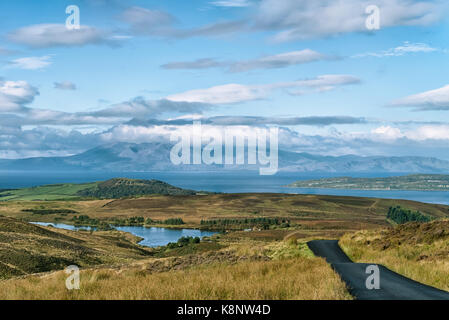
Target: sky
x=135 y=71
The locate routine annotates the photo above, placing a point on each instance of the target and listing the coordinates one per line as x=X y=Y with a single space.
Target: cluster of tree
x=131 y=221
x=174 y=221
x=249 y=222
x=84 y=220
x=401 y=215
x=183 y=241
x=49 y=211
x=123 y=188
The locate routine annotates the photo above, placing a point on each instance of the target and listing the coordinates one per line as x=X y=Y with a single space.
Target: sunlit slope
x=49 y=192
x=110 y=189
x=26 y=248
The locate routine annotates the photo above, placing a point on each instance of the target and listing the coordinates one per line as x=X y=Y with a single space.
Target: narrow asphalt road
x=391 y=286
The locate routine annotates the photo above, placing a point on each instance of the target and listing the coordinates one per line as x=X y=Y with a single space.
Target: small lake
x=152 y=237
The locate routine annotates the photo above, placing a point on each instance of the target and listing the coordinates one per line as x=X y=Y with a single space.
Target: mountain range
x=147 y=157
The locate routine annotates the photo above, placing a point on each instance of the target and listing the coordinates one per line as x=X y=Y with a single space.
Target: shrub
x=400 y=215
x=174 y=221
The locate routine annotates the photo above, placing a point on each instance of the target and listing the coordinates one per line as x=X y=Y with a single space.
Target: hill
x=110 y=189
x=418 y=182
x=131 y=157
x=122 y=187
x=26 y=248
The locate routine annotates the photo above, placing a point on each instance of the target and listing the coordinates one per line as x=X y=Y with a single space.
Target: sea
x=227 y=182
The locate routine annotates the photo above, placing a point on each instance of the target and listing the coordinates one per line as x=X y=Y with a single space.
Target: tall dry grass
x=427 y=263
x=296 y=278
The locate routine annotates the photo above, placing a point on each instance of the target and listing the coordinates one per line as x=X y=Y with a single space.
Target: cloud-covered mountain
x=129 y=157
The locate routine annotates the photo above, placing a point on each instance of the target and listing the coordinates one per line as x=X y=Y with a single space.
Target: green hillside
x=49 y=192
x=110 y=189
x=122 y=187
x=26 y=248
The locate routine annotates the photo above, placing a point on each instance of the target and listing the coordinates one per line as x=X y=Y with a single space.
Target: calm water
x=229 y=182
x=152 y=237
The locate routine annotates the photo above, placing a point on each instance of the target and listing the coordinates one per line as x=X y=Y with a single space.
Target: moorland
x=260 y=251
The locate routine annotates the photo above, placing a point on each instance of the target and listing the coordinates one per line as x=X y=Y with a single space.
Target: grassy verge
x=416 y=250
x=293 y=278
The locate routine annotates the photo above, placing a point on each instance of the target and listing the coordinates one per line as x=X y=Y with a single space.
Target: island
x=416 y=182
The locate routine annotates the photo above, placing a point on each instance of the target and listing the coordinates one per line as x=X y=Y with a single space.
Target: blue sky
x=311 y=68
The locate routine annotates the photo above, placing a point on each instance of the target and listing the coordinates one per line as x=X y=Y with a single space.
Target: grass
x=114 y=267
x=27 y=249
x=258 y=264
x=293 y=278
x=49 y=192
x=110 y=189
x=416 y=250
x=310 y=215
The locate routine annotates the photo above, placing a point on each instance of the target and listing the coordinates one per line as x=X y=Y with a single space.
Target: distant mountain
x=145 y=157
x=303 y=162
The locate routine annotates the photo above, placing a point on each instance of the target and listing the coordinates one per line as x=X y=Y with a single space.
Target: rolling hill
x=110 y=189
x=26 y=248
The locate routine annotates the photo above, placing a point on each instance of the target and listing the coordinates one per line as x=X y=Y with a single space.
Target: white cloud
x=140 y=107
x=31 y=63
x=437 y=99
x=229 y=93
x=205 y=63
x=147 y=21
x=232 y=3
x=430 y=133
x=422 y=133
x=278 y=61
x=161 y=24
x=65 y=85
x=406 y=48
x=388 y=133
x=6 y=52
x=302 y=19
x=162 y=133
x=15 y=94
x=56 y=35
x=236 y=93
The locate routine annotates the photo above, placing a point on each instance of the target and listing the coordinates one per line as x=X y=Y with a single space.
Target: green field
x=66 y=191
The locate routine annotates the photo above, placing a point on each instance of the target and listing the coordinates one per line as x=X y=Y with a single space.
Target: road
x=392 y=286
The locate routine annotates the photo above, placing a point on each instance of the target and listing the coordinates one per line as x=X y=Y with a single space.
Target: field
x=50 y=192
x=309 y=215
x=260 y=263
